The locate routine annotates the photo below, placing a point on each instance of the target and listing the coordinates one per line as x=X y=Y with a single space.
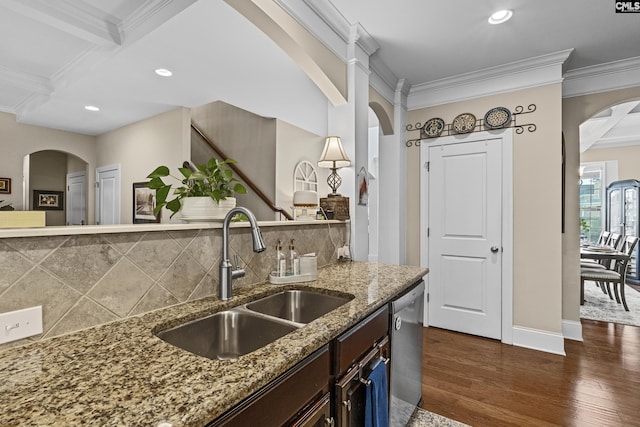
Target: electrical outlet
x=19 y=324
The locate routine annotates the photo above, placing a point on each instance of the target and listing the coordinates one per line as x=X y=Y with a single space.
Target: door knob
x=495 y=249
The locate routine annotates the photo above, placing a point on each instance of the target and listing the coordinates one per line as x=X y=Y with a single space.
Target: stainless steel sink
x=226 y=334
x=297 y=305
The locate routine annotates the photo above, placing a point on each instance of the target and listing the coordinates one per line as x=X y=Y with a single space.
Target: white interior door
x=76 y=199
x=108 y=195
x=465 y=237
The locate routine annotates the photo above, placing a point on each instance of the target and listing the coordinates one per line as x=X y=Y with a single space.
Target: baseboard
x=538 y=340
x=572 y=330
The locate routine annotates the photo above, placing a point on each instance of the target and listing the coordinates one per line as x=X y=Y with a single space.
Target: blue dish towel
x=376 y=405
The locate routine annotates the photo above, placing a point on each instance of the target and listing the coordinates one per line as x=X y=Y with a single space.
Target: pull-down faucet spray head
x=226 y=271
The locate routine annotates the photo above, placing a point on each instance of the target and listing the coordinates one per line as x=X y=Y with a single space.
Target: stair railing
x=242 y=175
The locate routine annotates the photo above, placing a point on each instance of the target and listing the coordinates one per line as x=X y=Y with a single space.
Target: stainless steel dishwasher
x=406 y=313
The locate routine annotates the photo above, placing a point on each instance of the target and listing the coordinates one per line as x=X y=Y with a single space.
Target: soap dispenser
x=281 y=262
x=294 y=261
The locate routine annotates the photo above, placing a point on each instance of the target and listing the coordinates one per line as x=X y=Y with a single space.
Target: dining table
x=603 y=254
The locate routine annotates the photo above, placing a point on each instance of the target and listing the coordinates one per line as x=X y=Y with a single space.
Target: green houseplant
x=213 y=180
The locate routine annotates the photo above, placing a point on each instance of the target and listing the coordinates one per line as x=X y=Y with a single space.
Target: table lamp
x=333 y=157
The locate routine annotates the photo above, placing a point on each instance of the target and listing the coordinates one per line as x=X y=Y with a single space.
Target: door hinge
x=97 y=185
x=427 y=297
x=427 y=165
x=428 y=231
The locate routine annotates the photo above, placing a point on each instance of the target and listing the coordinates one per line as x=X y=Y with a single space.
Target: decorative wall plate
x=433 y=127
x=463 y=123
x=497 y=118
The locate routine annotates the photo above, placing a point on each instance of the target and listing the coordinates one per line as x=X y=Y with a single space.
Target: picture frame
x=48 y=200
x=144 y=201
x=363 y=187
x=5 y=185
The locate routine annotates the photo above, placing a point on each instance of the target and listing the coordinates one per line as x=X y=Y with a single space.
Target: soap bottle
x=281 y=262
x=294 y=261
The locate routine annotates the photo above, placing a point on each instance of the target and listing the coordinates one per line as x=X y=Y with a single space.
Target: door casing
x=506 y=136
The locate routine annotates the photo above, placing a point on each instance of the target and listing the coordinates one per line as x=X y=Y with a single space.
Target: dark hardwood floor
x=482 y=382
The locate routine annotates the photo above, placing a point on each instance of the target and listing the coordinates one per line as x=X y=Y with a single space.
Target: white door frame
x=506 y=136
x=98 y=190
x=70 y=176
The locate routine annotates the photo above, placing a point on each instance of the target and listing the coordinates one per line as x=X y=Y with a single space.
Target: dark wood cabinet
x=356 y=353
x=286 y=399
x=622 y=212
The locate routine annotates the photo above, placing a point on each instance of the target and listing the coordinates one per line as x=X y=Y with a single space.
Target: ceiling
x=56 y=57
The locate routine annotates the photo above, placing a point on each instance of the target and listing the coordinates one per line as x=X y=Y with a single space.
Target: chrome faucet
x=227 y=272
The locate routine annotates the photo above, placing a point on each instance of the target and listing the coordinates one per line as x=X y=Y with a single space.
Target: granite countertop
x=120 y=373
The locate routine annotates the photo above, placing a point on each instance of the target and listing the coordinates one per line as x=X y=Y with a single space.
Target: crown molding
x=27 y=81
x=79 y=19
x=602 y=78
x=382 y=79
x=150 y=15
x=518 y=75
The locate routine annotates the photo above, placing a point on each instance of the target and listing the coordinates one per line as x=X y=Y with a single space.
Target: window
x=305 y=177
x=591 y=196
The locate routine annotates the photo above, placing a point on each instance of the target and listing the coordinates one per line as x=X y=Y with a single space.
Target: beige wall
x=575 y=111
x=537 y=160
x=293 y=146
x=248 y=138
x=383 y=109
x=628 y=159
x=141 y=147
x=18 y=140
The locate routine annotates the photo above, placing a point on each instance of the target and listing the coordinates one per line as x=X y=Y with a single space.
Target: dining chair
x=613 y=240
x=604 y=236
x=616 y=275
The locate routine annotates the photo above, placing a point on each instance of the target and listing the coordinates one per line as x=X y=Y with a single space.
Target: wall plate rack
x=448 y=129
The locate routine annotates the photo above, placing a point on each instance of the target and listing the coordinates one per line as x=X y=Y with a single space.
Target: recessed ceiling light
x=164 y=72
x=91 y=108
x=500 y=16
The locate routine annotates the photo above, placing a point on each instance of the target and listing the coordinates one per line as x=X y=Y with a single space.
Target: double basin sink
x=234 y=332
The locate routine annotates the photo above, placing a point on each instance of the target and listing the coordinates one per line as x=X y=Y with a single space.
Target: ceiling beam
x=77 y=18
x=589 y=135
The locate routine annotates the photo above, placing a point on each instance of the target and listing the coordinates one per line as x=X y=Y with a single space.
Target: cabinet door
x=282 y=400
x=630 y=211
x=319 y=415
x=615 y=211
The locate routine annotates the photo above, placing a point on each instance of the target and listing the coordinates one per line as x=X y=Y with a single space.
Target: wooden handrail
x=241 y=174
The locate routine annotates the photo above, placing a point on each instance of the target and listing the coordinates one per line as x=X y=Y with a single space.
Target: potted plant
x=206 y=193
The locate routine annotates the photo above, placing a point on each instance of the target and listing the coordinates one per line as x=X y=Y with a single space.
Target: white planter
x=205 y=208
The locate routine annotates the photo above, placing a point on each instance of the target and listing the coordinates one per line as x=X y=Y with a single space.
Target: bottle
x=281 y=262
x=294 y=261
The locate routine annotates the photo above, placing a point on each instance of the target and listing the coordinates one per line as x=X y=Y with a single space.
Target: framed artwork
x=47 y=200
x=5 y=185
x=144 y=201
x=363 y=187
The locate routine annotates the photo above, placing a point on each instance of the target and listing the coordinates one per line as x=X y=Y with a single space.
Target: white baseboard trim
x=572 y=330
x=538 y=340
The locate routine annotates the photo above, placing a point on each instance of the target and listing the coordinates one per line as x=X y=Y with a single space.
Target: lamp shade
x=333 y=155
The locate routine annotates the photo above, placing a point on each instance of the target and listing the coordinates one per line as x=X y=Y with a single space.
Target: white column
x=350 y=122
x=393 y=183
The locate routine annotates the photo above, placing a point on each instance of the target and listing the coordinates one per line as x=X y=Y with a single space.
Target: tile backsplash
x=86 y=280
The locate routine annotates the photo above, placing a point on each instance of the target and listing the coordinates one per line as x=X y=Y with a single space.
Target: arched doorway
x=59 y=178
x=609 y=155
